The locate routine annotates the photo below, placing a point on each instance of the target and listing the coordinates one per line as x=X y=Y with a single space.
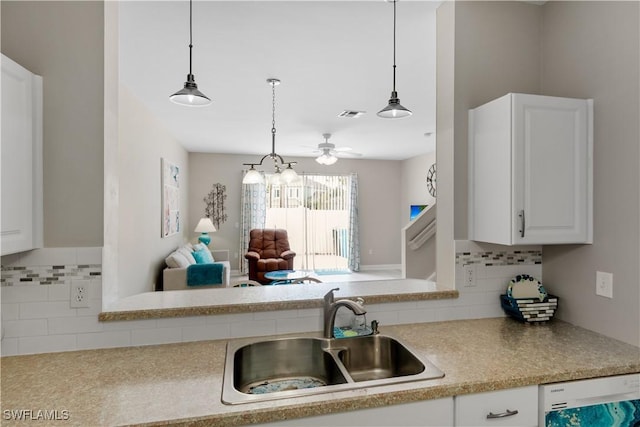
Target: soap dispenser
x=359 y=320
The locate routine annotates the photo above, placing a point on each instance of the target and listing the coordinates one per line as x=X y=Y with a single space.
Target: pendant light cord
x=191 y=33
x=394 y=45
x=273 y=118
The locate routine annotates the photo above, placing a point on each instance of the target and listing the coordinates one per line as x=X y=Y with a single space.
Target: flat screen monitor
x=415 y=210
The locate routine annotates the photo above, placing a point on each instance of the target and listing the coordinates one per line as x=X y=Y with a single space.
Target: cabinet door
x=511 y=407
x=21 y=158
x=552 y=170
x=436 y=413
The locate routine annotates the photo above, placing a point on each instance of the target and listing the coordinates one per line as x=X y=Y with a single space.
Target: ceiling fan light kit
x=394 y=110
x=279 y=177
x=327 y=157
x=189 y=95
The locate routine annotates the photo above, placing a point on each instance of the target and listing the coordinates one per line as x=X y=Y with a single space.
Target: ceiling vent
x=351 y=114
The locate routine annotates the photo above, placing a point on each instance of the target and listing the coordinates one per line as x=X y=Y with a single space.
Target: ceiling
x=330 y=56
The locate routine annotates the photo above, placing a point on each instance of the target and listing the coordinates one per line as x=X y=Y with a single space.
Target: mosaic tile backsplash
x=48 y=275
x=497 y=258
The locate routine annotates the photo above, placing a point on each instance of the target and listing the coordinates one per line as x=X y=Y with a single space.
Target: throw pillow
x=203 y=247
x=203 y=257
x=186 y=252
x=176 y=260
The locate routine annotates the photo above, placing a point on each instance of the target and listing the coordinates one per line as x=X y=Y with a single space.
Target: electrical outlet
x=469 y=276
x=604 y=284
x=79 y=295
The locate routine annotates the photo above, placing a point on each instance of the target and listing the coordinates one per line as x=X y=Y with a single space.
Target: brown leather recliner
x=268 y=251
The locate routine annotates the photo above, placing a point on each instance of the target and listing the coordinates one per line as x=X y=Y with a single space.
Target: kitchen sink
x=257 y=370
x=377 y=357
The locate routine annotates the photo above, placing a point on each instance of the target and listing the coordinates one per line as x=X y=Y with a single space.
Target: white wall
x=62 y=42
x=141 y=248
x=379 y=197
x=592 y=50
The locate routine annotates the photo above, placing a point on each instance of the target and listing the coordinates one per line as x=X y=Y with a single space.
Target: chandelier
x=286 y=176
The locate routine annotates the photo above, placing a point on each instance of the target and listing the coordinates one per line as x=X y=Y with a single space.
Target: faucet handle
x=374 y=327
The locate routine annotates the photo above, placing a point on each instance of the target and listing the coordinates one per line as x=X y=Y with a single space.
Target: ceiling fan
x=329 y=152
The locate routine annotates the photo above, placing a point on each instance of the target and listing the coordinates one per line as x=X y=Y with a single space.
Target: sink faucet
x=331 y=308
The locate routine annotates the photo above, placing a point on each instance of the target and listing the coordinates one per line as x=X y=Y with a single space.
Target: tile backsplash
x=37 y=317
x=48 y=275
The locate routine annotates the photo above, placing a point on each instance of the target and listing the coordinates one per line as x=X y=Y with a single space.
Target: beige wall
x=576 y=49
x=63 y=42
x=591 y=50
x=445 y=87
x=413 y=185
x=143 y=140
x=379 y=198
x=497 y=51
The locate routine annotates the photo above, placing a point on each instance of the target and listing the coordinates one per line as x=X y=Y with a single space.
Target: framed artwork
x=170 y=184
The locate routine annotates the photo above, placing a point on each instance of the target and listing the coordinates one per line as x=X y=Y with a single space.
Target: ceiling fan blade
x=343 y=149
x=348 y=154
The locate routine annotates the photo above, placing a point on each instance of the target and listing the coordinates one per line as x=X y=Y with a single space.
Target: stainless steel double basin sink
x=290 y=367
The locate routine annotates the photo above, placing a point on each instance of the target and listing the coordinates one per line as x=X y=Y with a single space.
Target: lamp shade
x=205 y=226
x=288 y=175
x=252 y=177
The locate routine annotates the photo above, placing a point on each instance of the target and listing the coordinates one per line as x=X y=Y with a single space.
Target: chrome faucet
x=331 y=308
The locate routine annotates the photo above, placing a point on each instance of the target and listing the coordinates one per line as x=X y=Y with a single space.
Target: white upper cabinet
x=531 y=170
x=21 y=159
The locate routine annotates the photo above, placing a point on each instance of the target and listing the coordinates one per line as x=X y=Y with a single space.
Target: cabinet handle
x=521 y=215
x=508 y=413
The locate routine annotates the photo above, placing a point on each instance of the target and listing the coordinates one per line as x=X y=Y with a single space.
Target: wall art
x=170 y=177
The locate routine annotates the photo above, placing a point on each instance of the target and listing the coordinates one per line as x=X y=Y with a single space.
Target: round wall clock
x=431 y=180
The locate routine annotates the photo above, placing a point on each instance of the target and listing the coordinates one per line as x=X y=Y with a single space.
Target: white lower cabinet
x=432 y=413
x=515 y=407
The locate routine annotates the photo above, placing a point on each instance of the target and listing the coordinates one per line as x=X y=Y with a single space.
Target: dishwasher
x=599 y=402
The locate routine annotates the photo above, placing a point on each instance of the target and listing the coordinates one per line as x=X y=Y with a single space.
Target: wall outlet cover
x=604 y=284
x=79 y=295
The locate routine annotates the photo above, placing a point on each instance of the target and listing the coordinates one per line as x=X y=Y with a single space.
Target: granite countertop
x=198 y=302
x=181 y=384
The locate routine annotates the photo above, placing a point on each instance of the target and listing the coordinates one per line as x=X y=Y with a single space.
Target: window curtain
x=253 y=215
x=354 y=234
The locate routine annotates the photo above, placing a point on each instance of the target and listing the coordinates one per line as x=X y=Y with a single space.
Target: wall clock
x=431 y=180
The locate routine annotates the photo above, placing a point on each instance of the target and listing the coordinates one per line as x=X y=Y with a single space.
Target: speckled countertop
x=198 y=302
x=181 y=384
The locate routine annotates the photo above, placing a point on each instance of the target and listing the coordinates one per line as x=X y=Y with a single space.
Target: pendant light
x=190 y=95
x=286 y=176
x=394 y=110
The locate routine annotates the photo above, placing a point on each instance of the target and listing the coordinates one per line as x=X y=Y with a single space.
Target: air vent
x=351 y=114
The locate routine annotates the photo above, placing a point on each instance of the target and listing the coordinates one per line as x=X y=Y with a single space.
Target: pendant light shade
x=394 y=110
x=189 y=95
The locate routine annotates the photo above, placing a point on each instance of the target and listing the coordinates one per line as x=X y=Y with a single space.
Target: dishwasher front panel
x=599 y=402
